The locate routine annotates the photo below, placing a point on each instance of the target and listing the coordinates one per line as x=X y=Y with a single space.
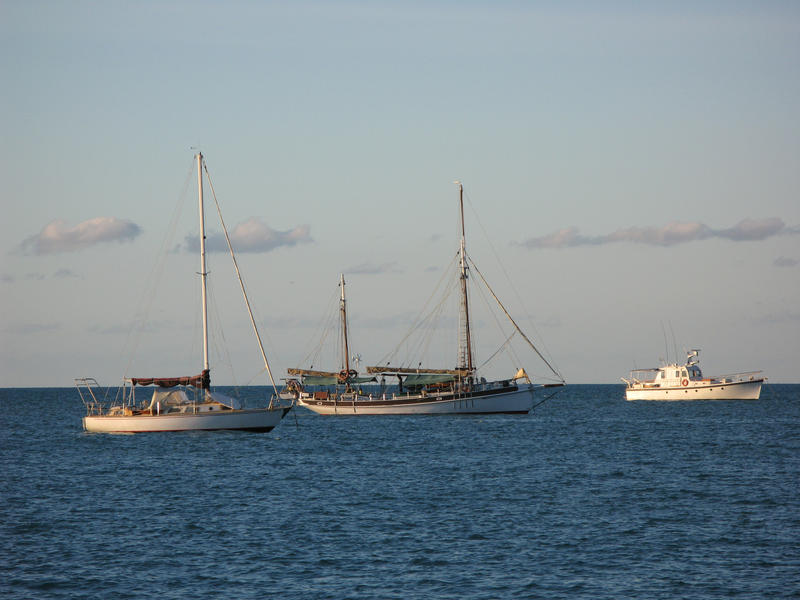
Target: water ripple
x=590 y=497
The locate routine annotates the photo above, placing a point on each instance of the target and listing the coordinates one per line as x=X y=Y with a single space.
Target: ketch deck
x=423 y=390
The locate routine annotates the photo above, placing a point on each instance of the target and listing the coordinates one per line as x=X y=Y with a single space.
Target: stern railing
x=88 y=388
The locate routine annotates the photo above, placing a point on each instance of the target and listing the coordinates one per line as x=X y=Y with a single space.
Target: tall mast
x=343 y=313
x=203 y=272
x=465 y=340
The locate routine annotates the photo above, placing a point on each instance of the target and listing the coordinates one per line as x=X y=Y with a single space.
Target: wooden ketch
x=427 y=390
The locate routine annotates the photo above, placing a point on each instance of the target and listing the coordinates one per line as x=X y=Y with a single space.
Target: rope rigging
x=510 y=281
x=423 y=316
x=241 y=283
x=153 y=280
x=522 y=333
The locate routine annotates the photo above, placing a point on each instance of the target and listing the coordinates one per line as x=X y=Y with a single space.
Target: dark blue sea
x=589 y=496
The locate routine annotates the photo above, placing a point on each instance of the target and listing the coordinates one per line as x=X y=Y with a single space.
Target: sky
x=631 y=174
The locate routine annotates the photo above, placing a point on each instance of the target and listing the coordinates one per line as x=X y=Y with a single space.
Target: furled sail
x=201 y=381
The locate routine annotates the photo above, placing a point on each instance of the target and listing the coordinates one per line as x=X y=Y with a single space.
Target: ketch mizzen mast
x=346 y=375
x=343 y=313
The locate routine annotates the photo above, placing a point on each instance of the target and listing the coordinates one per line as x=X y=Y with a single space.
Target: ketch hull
x=745 y=390
x=256 y=420
x=517 y=401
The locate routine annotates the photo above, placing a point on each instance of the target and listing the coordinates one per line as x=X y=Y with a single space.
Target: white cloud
x=31 y=328
x=252 y=235
x=756 y=229
x=368 y=268
x=667 y=235
x=65 y=273
x=784 y=261
x=57 y=236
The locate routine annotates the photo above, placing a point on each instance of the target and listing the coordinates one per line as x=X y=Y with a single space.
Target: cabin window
x=677 y=374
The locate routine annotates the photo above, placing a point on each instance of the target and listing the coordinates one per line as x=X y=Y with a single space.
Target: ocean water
x=587 y=497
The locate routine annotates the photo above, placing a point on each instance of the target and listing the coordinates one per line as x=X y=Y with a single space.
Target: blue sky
x=632 y=165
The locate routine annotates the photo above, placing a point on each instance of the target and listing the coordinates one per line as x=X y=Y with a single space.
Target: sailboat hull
x=510 y=401
x=255 y=420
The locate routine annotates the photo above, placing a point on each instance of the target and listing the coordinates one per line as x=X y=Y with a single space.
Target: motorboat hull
x=514 y=401
x=255 y=420
x=741 y=390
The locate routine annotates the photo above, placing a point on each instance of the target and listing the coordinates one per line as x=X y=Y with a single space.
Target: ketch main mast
x=465 y=339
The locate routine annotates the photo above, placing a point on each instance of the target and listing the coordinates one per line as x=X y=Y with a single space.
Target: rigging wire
x=323 y=329
x=219 y=342
x=507 y=342
x=558 y=391
x=510 y=281
x=422 y=316
x=241 y=282
x=430 y=325
x=525 y=337
x=153 y=279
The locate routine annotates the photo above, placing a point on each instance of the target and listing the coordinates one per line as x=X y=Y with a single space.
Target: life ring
x=344 y=375
x=685 y=382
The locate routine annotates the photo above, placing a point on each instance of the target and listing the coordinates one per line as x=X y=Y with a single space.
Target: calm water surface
x=587 y=497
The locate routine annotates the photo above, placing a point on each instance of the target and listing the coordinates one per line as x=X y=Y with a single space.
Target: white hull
x=260 y=420
x=745 y=390
x=516 y=401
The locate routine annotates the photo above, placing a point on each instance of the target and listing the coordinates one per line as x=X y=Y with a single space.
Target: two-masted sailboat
x=420 y=390
x=182 y=403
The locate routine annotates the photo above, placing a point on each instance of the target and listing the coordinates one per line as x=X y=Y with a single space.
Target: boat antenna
x=666 y=346
x=674 y=344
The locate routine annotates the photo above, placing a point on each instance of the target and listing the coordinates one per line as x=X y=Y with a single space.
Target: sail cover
x=427 y=379
x=333 y=380
x=320 y=380
x=201 y=381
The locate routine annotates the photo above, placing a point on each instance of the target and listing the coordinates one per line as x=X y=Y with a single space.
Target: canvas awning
x=201 y=381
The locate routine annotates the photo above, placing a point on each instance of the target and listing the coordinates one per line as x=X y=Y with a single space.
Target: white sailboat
x=686 y=382
x=426 y=390
x=182 y=403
